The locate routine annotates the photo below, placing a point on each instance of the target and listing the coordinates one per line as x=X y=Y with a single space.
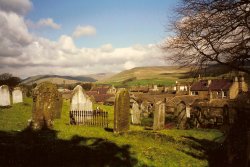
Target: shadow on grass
x=212 y=151
x=43 y=148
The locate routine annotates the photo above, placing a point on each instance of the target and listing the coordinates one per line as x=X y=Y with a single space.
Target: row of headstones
x=159 y=115
x=5 y=97
x=122 y=113
x=47 y=106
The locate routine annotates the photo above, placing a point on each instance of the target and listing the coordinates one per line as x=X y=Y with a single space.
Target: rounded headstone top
x=45 y=87
x=4 y=87
x=78 y=88
x=17 y=88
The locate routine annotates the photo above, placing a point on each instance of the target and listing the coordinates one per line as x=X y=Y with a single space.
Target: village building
x=139 y=89
x=219 y=88
x=66 y=93
x=102 y=93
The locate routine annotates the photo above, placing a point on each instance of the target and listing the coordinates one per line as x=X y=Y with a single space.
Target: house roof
x=144 y=89
x=102 y=97
x=215 y=85
x=101 y=90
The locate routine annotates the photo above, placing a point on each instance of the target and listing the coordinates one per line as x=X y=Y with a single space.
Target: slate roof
x=102 y=90
x=215 y=85
x=139 y=89
x=102 y=97
x=99 y=97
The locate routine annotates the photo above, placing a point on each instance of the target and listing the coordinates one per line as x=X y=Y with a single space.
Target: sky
x=82 y=37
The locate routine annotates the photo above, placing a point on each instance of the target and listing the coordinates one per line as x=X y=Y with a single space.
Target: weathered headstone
x=136 y=114
x=47 y=105
x=121 y=111
x=80 y=100
x=145 y=109
x=159 y=116
x=17 y=95
x=88 y=104
x=181 y=115
x=4 y=95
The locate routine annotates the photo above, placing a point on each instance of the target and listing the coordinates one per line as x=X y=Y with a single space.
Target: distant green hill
x=57 y=79
x=162 y=75
x=166 y=75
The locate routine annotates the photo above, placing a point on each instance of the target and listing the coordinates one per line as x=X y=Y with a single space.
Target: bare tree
x=211 y=31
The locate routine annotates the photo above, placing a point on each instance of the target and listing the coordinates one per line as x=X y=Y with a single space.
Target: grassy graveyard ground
x=94 y=146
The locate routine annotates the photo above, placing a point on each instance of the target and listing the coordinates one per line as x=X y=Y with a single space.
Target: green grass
x=150 y=82
x=143 y=82
x=149 y=148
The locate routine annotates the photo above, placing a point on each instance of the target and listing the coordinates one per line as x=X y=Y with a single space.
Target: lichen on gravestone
x=47 y=105
x=121 y=111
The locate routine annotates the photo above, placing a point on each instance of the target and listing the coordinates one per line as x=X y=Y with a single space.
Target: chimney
x=241 y=80
x=177 y=87
x=209 y=82
x=189 y=89
x=199 y=77
x=210 y=95
x=235 y=79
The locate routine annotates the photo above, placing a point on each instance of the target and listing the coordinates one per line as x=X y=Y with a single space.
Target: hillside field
x=71 y=145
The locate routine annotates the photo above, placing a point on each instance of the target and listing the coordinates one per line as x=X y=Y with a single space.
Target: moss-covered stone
x=121 y=111
x=47 y=105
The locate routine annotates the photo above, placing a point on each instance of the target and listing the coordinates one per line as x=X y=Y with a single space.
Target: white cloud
x=24 y=54
x=107 y=48
x=16 y=6
x=84 y=31
x=129 y=65
x=49 y=22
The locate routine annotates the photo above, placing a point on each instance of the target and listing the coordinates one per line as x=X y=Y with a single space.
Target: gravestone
x=47 y=105
x=4 y=95
x=80 y=100
x=159 y=116
x=17 y=95
x=121 y=111
x=145 y=109
x=88 y=104
x=136 y=114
